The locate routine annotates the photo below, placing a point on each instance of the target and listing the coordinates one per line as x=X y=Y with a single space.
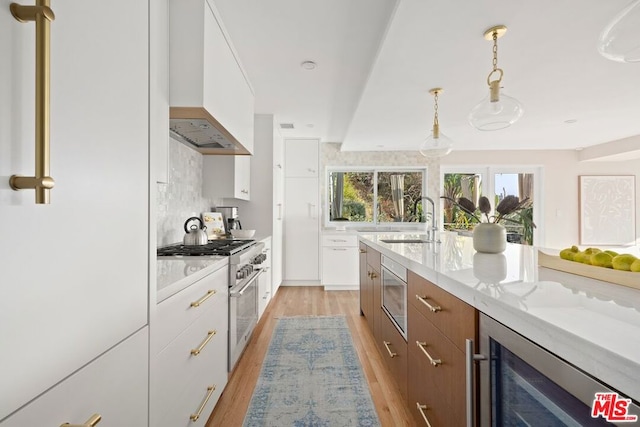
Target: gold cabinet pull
x=91 y=422
x=42 y=183
x=210 y=293
x=421 y=409
x=363 y=251
x=433 y=308
x=196 y=351
x=373 y=275
x=421 y=346
x=391 y=353
x=210 y=390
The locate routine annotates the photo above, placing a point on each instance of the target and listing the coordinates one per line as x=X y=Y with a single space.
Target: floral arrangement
x=510 y=209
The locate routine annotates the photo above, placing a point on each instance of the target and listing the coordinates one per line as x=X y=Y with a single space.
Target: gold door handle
x=433 y=308
x=373 y=275
x=391 y=353
x=210 y=390
x=41 y=182
x=421 y=346
x=421 y=409
x=196 y=351
x=209 y=294
x=91 y=422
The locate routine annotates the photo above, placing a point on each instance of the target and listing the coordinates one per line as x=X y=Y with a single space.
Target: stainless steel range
x=245 y=257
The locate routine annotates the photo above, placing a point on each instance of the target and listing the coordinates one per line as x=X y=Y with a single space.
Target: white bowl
x=242 y=234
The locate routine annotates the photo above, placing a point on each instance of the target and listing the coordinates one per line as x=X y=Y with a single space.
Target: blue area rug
x=311 y=377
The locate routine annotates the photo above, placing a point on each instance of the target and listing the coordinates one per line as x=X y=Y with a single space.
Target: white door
x=74 y=273
x=301 y=230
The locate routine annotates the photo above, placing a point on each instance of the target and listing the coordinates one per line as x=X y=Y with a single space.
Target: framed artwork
x=607 y=209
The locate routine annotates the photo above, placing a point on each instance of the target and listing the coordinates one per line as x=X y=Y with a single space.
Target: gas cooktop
x=223 y=247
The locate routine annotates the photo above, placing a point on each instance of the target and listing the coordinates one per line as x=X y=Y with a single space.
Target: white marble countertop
x=175 y=273
x=592 y=324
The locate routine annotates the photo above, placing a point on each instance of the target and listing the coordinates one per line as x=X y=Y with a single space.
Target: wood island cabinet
x=429 y=367
x=438 y=326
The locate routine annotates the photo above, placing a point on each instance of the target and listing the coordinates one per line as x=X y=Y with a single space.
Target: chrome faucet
x=431 y=232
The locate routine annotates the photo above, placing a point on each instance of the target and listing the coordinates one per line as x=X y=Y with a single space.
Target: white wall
x=560 y=184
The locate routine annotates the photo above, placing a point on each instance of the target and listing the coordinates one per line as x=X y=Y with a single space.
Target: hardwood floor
x=300 y=301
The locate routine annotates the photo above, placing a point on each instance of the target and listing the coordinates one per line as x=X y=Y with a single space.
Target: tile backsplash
x=181 y=197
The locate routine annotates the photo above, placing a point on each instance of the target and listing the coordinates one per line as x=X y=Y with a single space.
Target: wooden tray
x=619 y=277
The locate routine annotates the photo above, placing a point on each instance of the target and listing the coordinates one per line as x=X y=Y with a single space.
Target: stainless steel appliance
x=244 y=271
x=394 y=293
x=195 y=234
x=521 y=383
x=245 y=259
x=230 y=217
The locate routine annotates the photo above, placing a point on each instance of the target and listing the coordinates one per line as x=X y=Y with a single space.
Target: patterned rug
x=311 y=377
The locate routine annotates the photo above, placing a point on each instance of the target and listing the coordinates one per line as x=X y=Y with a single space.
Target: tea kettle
x=196 y=235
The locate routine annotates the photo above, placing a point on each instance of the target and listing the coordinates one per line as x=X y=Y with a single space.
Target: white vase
x=489 y=238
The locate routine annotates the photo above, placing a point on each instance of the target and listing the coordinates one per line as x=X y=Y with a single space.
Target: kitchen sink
x=406 y=241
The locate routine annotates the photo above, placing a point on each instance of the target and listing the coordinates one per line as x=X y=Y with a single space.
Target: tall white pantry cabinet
x=302 y=212
x=74 y=273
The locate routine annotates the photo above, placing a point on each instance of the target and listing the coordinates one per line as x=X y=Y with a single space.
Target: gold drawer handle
x=91 y=422
x=363 y=251
x=210 y=390
x=423 y=408
x=434 y=362
x=209 y=294
x=391 y=353
x=433 y=308
x=196 y=351
x=373 y=275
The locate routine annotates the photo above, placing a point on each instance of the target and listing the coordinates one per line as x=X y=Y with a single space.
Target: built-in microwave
x=523 y=384
x=394 y=293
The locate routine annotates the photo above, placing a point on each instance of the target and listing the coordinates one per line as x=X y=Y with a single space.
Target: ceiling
x=377 y=59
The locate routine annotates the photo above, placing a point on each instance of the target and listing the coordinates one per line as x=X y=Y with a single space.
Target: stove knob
x=239 y=274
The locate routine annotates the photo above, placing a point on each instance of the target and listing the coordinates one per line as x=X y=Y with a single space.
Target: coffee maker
x=230 y=218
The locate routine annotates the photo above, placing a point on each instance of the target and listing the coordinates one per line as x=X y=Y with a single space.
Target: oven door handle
x=233 y=292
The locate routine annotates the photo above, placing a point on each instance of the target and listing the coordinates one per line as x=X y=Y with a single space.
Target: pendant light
x=620 y=39
x=497 y=110
x=437 y=144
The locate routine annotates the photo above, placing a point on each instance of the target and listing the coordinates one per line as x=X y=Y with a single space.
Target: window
x=495 y=183
x=374 y=196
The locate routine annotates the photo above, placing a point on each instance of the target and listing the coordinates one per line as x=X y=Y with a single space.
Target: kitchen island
x=592 y=324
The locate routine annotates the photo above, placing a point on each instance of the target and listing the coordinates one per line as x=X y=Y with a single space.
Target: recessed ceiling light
x=570 y=121
x=286 y=125
x=309 y=65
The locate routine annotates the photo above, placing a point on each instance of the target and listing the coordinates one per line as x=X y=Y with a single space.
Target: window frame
x=374 y=224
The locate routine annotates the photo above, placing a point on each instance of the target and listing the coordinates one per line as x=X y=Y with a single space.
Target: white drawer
x=177 y=370
x=339 y=240
x=182 y=309
x=115 y=386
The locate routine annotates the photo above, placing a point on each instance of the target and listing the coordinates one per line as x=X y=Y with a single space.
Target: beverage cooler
x=522 y=384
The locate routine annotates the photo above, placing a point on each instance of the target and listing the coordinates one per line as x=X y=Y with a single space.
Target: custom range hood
x=211 y=100
x=198 y=129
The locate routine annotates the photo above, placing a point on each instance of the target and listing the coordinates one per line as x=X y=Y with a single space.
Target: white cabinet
x=301 y=157
x=75 y=272
x=302 y=212
x=189 y=344
x=159 y=89
x=265 y=292
x=114 y=386
x=216 y=177
x=205 y=70
x=278 y=209
x=301 y=231
x=340 y=260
